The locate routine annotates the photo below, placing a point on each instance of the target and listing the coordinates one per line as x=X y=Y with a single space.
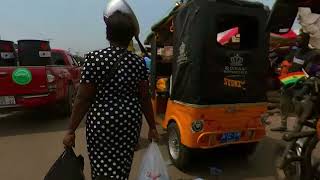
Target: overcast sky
x=75 y=24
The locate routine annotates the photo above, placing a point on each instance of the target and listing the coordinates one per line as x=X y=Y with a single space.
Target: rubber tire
x=307 y=169
x=185 y=153
x=251 y=148
x=68 y=103
x=302 y=165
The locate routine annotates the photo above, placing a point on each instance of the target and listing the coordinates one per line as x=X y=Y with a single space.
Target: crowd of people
x=303 y=56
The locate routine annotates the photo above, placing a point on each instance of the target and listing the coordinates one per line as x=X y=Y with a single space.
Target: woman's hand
x=153 y=134
x=69 y=139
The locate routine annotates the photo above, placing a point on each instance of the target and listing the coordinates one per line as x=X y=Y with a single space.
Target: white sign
x=7 y=55
x=45 y=54
x=236 y=66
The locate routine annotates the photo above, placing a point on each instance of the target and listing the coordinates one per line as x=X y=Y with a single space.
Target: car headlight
x=197 y=125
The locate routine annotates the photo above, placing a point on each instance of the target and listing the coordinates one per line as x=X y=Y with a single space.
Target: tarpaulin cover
x=205 y=72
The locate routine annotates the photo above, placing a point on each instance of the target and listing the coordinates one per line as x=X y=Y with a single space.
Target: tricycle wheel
x=179 y=154
x=251 y=148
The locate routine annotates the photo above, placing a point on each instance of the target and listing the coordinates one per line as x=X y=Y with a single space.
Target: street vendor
x=307 y=57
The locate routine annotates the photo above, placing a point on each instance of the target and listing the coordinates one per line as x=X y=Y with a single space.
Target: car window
x=57 y=59
x=70 y=59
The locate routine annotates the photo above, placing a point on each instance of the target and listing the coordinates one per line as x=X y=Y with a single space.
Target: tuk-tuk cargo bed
x=217 y=121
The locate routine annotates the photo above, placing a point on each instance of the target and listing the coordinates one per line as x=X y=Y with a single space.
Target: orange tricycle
x=208 y=94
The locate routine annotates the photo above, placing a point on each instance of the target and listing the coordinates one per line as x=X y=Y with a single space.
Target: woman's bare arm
x=85 y=96
x=146 y=103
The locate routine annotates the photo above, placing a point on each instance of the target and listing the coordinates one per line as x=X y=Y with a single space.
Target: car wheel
x=179 y=154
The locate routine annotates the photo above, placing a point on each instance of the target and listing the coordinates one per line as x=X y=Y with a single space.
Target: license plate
x=230 y=137
x=7 y=100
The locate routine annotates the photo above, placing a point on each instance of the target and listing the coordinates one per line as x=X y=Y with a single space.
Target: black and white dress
x=114 y=120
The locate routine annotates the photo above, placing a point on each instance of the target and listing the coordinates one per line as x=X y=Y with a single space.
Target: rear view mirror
x=282 y=16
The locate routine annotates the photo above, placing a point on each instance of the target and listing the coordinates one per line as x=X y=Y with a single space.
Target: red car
x=39 y=77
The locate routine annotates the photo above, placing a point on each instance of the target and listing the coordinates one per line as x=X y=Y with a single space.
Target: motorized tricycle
x=208 y=94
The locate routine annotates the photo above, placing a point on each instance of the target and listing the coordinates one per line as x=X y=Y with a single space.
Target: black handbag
x=67 y=167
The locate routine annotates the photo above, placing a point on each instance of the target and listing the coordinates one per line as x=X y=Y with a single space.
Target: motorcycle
x=297 y=161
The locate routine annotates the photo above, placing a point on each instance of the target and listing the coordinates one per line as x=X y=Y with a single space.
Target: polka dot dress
x=114 y=119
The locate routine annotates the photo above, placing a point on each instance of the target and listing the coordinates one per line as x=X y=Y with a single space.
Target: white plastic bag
x=153 y=166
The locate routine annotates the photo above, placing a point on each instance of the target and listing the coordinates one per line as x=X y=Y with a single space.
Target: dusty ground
x=31 y=142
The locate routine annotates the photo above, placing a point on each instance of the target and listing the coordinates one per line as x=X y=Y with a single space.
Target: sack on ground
x=67 y=167
x=153 y=166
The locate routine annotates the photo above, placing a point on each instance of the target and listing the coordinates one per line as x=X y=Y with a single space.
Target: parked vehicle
x=43 y=77
x=209 y=94
x=297 y=161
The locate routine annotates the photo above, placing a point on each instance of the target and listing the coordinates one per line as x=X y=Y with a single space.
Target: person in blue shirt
x=148 y=62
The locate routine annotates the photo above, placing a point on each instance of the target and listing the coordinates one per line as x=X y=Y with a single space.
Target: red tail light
x=51 y=82
x=44 y=47
x=50 y=77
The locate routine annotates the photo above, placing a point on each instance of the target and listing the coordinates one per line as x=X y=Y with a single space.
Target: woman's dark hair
x=120 y=29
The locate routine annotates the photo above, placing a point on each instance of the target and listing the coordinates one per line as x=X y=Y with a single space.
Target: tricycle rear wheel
x=251 y=148
x=179 y=154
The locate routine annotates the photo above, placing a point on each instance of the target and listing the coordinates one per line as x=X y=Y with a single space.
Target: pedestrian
x=286 y=94
x=300 y=55
x=113 y=93
x=148 y=62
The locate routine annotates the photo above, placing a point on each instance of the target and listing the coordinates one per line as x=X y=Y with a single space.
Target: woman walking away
x=113 y=92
